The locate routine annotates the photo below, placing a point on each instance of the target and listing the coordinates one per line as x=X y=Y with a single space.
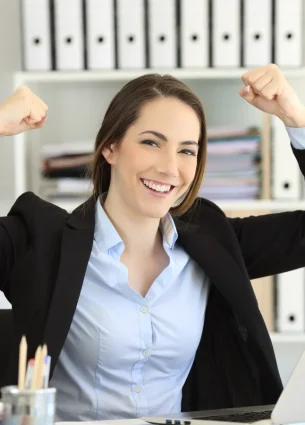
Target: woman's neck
x=140 y=235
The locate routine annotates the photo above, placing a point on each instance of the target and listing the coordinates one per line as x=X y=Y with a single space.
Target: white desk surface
x=110 y=422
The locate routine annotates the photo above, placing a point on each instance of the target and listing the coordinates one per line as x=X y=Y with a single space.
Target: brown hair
x=125 y=108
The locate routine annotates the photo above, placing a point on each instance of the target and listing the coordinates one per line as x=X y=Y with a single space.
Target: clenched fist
x=22 y=111
x=268 y=90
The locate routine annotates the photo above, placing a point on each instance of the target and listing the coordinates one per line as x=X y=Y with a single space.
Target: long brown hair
x=125 y=108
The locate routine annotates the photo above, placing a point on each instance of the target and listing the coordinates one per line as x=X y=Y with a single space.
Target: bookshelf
x=224 y=82
x=287 y=338
x=124 y=75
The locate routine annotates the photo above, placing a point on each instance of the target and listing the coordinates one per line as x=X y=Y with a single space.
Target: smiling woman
x=167 y=111
x=145 y=313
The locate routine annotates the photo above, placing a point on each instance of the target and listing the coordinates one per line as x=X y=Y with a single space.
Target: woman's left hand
x=270 y=92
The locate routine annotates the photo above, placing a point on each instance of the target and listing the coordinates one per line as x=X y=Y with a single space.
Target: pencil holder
x=28 y=407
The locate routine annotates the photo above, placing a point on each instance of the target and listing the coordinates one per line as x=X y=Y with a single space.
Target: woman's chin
x=154 y=211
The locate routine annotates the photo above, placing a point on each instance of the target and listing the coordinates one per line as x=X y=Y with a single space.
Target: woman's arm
x=273 y=243
x=22 y=111
x=14 y=243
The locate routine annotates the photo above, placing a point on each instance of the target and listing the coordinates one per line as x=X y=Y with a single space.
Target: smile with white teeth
x=157 y=187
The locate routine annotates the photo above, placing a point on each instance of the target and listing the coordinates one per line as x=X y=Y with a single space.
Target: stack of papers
x=233 y=169
x=64 y=168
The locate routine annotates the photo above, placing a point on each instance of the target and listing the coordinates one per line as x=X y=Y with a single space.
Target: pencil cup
x=28 y=407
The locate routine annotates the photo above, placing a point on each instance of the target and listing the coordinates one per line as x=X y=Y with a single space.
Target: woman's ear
x=109 y=153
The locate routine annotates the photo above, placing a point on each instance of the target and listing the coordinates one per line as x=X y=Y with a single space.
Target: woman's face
x=156 y=161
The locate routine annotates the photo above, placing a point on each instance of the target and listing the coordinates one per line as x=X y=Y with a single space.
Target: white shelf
x=68 y=204
x=287 y=338
x=123 y=75
x=252 y=206
x=259 y=205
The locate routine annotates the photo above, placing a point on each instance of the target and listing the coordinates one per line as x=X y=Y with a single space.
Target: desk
x=110 y=422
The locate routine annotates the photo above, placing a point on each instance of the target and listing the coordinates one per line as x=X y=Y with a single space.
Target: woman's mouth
x=157 y=189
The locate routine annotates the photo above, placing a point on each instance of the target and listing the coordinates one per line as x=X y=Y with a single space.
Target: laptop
x=289 y=409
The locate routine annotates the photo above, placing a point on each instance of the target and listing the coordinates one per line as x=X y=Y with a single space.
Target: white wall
x=10 y=61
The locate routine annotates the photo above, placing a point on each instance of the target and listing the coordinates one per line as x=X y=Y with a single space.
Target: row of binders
x=287 y=179
x=290 y=296
x=133 y=34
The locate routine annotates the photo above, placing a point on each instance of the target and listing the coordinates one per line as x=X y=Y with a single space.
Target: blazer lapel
x=75 y=253
x=229 y=277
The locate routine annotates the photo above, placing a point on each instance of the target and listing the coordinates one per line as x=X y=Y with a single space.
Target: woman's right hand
x=22 y=111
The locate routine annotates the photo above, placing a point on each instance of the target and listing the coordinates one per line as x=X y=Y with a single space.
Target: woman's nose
x=169 y=165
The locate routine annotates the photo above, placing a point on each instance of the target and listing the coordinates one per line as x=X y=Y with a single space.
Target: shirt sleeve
x=297 y=137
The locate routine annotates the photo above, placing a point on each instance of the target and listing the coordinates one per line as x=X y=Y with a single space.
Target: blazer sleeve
x=273 y=243
x=6 y=256
x=14 y=239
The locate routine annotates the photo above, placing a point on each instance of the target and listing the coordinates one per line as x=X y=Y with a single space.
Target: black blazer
x=44 y=253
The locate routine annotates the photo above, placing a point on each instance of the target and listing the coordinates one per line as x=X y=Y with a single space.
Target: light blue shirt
x=127 y=356
x=297 y=137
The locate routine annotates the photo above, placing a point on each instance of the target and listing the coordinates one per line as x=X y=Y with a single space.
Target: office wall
x=10 y=61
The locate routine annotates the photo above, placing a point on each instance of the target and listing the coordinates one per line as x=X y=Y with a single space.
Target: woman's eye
x=189 y=152
x=149 y=142
x=153 y=143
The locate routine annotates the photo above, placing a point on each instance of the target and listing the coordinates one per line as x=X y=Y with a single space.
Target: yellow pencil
x=43 y=355
x=36 y=366
x=23 y=348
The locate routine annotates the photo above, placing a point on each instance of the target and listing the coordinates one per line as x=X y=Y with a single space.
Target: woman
x=143 y=295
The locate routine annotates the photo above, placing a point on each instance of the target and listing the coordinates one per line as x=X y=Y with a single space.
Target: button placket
x=145 y=341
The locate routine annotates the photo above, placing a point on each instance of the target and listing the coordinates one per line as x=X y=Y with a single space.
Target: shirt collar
x=169 y=231
x=107 y=236
x=105 y=233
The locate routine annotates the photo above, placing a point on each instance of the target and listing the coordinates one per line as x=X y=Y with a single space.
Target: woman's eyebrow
x=162 y=137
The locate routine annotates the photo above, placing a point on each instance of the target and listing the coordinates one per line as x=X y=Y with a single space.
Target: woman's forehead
x=172 y=117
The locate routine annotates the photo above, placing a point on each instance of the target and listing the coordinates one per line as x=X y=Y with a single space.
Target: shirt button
x=138 y=389
x=144 y=309
x=146 y=353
